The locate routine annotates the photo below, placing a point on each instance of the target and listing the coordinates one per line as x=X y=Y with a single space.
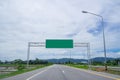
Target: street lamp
x=103 y=35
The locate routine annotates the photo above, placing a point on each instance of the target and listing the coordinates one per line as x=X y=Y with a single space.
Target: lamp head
x=84 y=12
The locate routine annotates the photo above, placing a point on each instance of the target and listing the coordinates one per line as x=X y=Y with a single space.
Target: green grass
x=22 y=71
x=108 y=71
x=78 y=66
x=113 y=72
x=94 y=69
x=7 y=64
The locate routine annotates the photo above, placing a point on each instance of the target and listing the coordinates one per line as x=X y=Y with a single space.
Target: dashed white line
x=35 y=75
x=63 y=71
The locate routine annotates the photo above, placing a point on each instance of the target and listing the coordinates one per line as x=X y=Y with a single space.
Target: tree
x=1 y=62
x=113 y=62
x=37 y=61
x=18 y=61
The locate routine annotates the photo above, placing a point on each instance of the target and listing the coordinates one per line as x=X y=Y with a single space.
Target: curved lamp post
x=103 y=35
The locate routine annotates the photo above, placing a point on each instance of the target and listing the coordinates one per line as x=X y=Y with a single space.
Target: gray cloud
x=22 y=21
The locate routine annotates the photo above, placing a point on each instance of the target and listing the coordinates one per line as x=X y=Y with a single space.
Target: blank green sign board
x=58 y=43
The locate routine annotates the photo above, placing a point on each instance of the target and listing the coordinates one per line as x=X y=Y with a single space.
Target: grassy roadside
x=23 y=71
x=113 y=72
x=94 y=69
x=78 y=66
x=108 y=71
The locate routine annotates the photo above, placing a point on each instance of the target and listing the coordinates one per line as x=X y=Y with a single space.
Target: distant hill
x=101 y=59
x=64 y=60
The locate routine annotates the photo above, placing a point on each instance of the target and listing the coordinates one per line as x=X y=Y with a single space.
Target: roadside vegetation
x=82 y=66
x=115 y=62
x=12 y=68
x=18 y=66
x=99 y=66
x=98 y=69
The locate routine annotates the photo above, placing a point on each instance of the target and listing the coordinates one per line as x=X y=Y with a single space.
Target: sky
x=23 y=21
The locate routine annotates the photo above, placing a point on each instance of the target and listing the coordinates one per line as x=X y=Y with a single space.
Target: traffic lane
x=82 y=74
x=58 y=72
x=53 y=73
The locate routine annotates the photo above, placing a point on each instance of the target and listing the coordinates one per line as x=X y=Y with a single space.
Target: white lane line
x=63 y=71
x=35 y=75
x=39 y=73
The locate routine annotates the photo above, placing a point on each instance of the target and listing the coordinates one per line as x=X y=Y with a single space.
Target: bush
x=20 y=67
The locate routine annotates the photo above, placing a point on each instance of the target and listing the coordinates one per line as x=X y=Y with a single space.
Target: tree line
x=19 y=61
x=115 y=62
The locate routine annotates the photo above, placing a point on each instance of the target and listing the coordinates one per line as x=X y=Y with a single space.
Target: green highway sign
x=59 y=43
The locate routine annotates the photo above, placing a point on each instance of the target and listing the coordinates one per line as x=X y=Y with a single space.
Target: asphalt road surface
x=60 y=72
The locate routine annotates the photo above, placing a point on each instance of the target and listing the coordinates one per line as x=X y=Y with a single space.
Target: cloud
x=24 y=21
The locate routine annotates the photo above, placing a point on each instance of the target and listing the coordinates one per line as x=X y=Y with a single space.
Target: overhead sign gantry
x=58 y=44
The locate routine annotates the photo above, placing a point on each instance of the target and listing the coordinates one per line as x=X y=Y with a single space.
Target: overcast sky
x=23 y=21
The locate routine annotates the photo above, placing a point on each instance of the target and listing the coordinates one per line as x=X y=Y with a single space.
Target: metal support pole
x=28 y=54
x=88 y=55
x=70 y=57
x=104 y=44
x=33 y=44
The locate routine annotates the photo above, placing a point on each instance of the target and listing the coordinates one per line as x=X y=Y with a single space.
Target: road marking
x=95 y=73
x=63 y=71
x=39 y=73
x=35 y=75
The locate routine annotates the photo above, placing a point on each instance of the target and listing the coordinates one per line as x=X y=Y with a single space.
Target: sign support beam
x=33 y=44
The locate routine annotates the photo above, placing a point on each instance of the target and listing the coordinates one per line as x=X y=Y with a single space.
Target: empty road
x=60 y=72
